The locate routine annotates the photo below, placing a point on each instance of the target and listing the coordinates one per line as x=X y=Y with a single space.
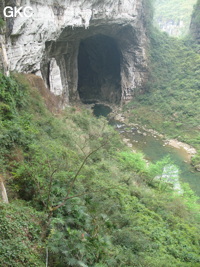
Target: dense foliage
x=79 y=197
x=20 y=230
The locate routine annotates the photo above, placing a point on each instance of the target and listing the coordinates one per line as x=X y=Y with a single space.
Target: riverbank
x=175 y=143
x=155 y=147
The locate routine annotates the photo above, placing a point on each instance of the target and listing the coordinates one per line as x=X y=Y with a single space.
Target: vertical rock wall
x=195 y=22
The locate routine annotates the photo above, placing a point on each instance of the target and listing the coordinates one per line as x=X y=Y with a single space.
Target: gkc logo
x=13 y=12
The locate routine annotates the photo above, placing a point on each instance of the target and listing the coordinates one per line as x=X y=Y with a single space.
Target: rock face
x=85 y=50
x=195 y=22
x=172 y=27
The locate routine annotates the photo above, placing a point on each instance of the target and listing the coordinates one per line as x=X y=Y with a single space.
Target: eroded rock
x=49 y=42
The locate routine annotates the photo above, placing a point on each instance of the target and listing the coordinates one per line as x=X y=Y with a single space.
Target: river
x=154 y=148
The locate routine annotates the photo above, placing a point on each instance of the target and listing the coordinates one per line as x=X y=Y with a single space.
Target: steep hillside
x=71 y=192
x=79 y=197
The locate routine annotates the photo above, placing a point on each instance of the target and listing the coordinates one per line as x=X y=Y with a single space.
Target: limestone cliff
x=172 y=27
x=195 y=22
x=89 y=50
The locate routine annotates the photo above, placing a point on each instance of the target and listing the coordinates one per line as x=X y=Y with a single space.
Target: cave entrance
x=99 y=70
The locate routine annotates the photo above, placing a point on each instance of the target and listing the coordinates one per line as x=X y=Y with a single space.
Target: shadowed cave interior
x=99 y=70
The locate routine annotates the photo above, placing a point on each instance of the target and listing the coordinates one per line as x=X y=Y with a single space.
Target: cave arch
x=103 y=63
x=99 y=70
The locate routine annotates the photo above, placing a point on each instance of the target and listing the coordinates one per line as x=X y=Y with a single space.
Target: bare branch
x=50 y=186
x=80 y=168
x=79 y=195
x=76 y=176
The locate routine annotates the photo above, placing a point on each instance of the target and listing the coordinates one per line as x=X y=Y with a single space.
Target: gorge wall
x=93 y=51
x=195 y=22
x=173 y=16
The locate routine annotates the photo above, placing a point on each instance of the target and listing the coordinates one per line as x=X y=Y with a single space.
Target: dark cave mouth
x=101 y=110
x=99 y=70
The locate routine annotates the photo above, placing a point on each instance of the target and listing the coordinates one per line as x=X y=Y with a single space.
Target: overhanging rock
x=84 y=50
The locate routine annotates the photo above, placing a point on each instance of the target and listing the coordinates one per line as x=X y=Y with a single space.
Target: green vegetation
x=176 y=11
x=171 y=103
x=79 y=197
x=20 y=230
x=1 y=23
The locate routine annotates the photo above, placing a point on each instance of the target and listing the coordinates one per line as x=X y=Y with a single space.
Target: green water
x=153 y=149
x=101 y=110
